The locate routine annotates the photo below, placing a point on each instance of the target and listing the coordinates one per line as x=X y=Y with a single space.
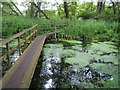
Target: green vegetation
x=86 y=67
x=92 y=60
x=86 y=29
x=93 y=29
x=11 y=25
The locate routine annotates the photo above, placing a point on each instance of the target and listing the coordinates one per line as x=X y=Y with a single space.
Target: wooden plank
x=20 y=74
x=51 y=28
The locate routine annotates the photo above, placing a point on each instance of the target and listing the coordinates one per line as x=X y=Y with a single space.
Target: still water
x=77 y=64
x=13 y=57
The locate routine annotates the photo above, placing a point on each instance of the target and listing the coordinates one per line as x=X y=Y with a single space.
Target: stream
x=77 y=64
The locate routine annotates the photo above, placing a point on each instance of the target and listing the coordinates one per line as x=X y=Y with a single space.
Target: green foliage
x=11 y=25
x=92 y=29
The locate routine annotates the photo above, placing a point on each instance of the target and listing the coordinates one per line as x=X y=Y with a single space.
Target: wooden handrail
x=23 y=34
x=54 y=24
x=3 y=42
x=18 y=36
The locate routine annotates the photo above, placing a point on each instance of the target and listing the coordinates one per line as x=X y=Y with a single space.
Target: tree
x=72 y=8
x=66 y=9
x=39 y=9
x=114 y=6
x=100 y=6
x=7 y=9
x=16 y=8
x=11 y=9
x=31 y=9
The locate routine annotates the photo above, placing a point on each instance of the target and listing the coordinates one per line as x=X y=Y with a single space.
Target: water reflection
x=14 y=56
x=49 y=84
x=78 y=65
x=50 y=67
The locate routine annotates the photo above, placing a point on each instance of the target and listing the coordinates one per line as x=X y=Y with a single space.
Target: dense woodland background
x=88 y=20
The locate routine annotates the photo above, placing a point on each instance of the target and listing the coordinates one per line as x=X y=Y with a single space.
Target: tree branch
x=41 y=11
x=13 y=10
x=16 y=8
x=7 y=12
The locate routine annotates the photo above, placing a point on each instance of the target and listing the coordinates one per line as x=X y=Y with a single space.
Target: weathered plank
x=20 y=74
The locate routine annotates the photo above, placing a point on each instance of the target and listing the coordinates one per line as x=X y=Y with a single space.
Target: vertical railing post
x=33 y=34
x=19 y=46
x=25 y=37
x=8 y=55
x=36 y=30
x=30 y=36
x=55 y=31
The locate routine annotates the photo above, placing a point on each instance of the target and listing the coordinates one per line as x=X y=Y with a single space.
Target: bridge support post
x=36 y=30
x=8 y=55
x=19 y=46
x=25 y=37
x=55 y=31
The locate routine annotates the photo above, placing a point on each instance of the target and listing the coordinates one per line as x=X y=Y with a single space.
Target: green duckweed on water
x=71 y=64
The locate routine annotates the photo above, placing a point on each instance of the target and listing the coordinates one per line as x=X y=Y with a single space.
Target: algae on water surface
x=72 y=64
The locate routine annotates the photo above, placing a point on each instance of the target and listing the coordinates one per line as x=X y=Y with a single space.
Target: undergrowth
x=91 y=29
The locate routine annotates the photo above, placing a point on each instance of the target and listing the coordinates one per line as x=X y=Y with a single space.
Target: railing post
x=19 y=46
x=25 y=37
x=55 y=31
x=8 y=55
x=36 y=30
x=30 y=36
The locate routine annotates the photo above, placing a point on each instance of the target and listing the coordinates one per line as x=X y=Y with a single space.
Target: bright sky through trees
x=50 y=6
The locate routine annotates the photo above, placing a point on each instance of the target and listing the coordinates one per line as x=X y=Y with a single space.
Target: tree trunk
x=31 y=10
x=100 y=6
x=66 y=9
x=40 y=10
x=7 y=13
x=17 y=8
x=36 y=13
x=114 y=10
x=59 y=7
x=13 y=10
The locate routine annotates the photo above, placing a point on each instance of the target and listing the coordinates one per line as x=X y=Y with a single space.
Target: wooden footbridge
x=20 y=74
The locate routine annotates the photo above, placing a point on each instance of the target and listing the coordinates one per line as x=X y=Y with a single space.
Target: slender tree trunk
x=59 y=8
x=16 y=8
x=73 y=12
x=13 y=10
x=40 y=10
x=36 y=13
x=66 y=9
x=7 y=13
x=100 y=6
x=114 y=10
x=32 y=10
x=91 y=5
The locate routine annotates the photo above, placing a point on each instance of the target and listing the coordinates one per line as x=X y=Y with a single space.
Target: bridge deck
x=20 y=74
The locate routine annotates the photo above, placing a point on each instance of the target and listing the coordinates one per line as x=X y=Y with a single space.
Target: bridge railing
x=23 y=37
x=55 y=28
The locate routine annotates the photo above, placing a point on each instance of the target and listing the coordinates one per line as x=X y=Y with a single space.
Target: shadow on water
x=76 y=64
